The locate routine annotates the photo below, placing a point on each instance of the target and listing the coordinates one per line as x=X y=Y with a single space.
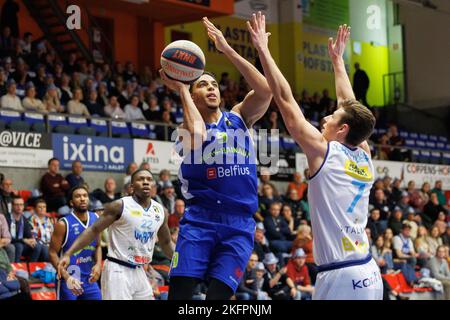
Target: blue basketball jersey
x=83 y=259
x=221 y=176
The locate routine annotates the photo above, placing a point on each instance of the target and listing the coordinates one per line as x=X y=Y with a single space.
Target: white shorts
x=123 y=283
x=361 y=282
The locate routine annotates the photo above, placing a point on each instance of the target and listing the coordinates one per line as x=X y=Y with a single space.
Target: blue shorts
x=91 y=291
x=213 y=245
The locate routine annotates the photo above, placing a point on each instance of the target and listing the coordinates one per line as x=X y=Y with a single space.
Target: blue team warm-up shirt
x=223 y=175
x=81 y=262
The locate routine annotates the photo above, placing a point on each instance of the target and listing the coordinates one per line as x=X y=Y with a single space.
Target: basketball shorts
x=91 y=291
x=124 y=283
x=361 y=282
x=213 y=245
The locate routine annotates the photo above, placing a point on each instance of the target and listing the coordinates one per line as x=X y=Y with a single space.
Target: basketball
x=183 y=60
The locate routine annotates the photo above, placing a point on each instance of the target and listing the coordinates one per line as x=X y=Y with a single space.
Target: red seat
x=161 y=267
x=404 y=286
x=25 y=194
x=19 y=266
x=392 y=280
x=33 y=266
x=163 y=288
x=43 y=295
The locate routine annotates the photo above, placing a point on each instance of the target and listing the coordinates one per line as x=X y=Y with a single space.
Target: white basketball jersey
x=132 y=237
x=338 y=196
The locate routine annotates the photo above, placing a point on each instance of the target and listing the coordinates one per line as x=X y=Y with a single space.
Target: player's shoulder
x=235 y=118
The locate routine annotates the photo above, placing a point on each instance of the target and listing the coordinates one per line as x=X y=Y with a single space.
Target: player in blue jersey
x=219 y=180
x=79 y=282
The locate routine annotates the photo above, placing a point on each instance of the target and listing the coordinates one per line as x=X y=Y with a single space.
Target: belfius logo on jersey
x=96 y=153
x=222 y=172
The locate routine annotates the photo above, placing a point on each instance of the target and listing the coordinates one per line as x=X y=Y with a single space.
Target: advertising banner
x=159 y=154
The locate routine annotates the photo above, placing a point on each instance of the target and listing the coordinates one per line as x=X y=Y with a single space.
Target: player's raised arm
x=193 y=122
x=111 y=214
x=344 y=90
x=257 y=101
x=310 y=139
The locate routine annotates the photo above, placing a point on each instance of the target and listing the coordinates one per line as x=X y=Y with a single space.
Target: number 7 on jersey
x=361 y=186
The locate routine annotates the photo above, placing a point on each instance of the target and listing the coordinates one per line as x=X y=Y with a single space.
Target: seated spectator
x=43 y=227
x=379 y=202
x=286 y=213
x=9 y=285
x=161 y=130
x=113 y=109
x=304 y=241
x=260 y=271
x=269 y=195
x=376 y=226
x=75 y=106
x=440 y=194
x=53 y=186
x=10 y=100
x=431 y=211
x=30 y=103
x=405 y=256
x=174 y=219
x=395 y=221
x=411 y=219
x=435 y=240
x=5 y=239
x=424 y=194
x=7 y=42
x=261 y=245
x=294 y=202
x=168 y=197
x=423 y=247
x=66 y=90
x=132 y=167
x=277 y=231
x=404 y=205
x=276 y=282
x=382 y=255
x=21 y=233
x=51 y=100
x=75 y=179
x=109 y=194
x=94 y=108
x=125 y=96
x=247 y=289
x=103 y=94
x=153 y=113
x=439 y=268
x=395 y=140
x=446 y=237
x=132 y=110
x=441 y=223
x=297 y=271
x=297 y=184
x=164 y=175
x=7 y=192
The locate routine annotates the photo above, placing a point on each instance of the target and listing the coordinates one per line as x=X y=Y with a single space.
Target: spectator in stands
x=51 y=100
x=10 y=100
x=132 y=110
x=174 y=219
x=294 y=202
x=397 y=141
x=404 y=205
x=446 y=237
x=425 y=193
x=247 y=289
x=382 y=255
x=7 y=43
x=154 y=193
x=277 y=231
x=7 y=192
x=376 y=226
x=269 y=195
x=66 y=90
x=153 y=113
x=405 y=256
x=164 y=175
x=129 y=72
x=297 y=184
x=74 y=178
x=5 y=239
x=146 y=76
x=431 y=211
x=75 y=106
x=109 y=194
x=441 y=223
x=396 y=194
x=388 y=236
x=276 y=282
x=286 y=213
x=379 y=202
x=30 y=103
x=103 y=94
x=113 y=109
x=126 y=95
x=3 y=79
x=361 y=84
x=297 y=271
x=21 y=233
x=261 y=245
x=439 y=268
x=168 y=196
x=304 y=241
x=411 y=220
x=423 y=246
x=40 y=81
x=94 y=108
x=53 y=186
x=396 y=221
x=435 y=240
x=43 y=227
x=260 y=270
x=132 y=167
x=440 y=194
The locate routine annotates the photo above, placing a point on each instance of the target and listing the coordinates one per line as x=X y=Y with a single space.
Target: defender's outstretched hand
x=336 y=48
x=215 y=35
x=257 y=29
